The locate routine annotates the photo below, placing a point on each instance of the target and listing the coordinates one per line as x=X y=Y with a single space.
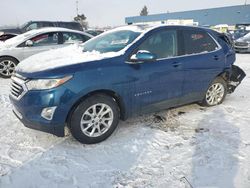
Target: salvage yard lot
x=190 y=146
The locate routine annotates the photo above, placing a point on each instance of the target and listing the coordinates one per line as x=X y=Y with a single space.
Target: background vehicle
x=239 y=33
x=94 y=32
x=11 y=32
x=242 y=25
x=22 y=46
x=123 y=72
x=242 y=44
x=7 y=36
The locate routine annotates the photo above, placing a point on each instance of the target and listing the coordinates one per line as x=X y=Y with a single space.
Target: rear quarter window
x=196 y=42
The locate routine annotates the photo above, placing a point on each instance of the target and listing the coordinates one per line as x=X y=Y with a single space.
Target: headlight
x=42 y=84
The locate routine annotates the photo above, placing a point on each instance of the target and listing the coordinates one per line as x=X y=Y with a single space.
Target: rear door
x=203 y=59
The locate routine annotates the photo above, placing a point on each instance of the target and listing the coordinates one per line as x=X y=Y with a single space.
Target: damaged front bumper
x=236 y=77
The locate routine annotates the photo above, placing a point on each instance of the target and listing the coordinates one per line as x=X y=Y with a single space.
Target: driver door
x=158 y=83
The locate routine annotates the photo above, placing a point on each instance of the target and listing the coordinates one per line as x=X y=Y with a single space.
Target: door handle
x=216 y=57
x=176 y=64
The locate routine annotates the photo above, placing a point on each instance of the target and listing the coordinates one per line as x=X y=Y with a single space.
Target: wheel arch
x=109 y=93
x=225 y=74
x=8 y=56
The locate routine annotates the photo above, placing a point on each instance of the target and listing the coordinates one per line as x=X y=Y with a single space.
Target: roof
x=54 y=29
x=142 y=28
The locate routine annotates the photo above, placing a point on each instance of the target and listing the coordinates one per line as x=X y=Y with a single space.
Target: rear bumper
x=236 y=77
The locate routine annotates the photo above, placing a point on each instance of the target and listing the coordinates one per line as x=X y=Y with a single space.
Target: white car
x=22 y=46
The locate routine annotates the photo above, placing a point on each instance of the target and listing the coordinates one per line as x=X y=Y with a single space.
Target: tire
x=7 y=66
x=94 y=119
x=215 y=93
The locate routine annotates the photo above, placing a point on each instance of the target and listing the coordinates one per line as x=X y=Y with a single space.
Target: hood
x=60 y=58
x=6 y=46
x=3 y=46
x=242 y=39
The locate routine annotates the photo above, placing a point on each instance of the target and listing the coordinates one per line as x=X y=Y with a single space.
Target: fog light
x=48 y=113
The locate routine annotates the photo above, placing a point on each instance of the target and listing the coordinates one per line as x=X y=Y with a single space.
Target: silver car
x=242 y=45
x=22 y=46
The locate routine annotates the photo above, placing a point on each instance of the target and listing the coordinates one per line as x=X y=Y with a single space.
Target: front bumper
x=54 y=129
x=28 y=109
x=241 y=49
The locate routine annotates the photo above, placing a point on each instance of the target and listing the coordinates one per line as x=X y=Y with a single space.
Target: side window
x=72 y=37
x=163 y=44
x=196 y=42
x=68 y=25
x=32 y=26
x=47 y=24
x=45 y=39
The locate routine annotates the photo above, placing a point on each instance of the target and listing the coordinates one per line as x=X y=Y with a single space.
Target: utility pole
x=77 y=9
x=245 y=2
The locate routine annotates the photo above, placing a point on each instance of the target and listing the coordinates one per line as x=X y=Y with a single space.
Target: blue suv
x=122 y=73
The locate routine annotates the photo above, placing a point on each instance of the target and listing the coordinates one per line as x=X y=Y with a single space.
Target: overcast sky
x=98 y=12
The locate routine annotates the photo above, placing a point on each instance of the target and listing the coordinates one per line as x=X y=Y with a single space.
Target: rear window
x=196 y=42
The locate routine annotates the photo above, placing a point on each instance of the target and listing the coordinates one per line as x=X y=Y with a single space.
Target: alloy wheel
x=7 y=67
x=97 y=120
x=215 y=94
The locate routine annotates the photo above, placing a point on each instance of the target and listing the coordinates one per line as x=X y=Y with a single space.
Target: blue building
x=225 y=15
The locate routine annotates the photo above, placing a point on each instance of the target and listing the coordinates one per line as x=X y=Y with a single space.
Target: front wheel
x=216 y=93
x=7 y=66
x=95 y=119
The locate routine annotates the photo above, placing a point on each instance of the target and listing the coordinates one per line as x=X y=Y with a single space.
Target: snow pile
x=5 y=101
x=52 y=59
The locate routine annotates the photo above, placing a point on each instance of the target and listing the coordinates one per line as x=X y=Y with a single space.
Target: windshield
x=247 y=37
x=24 y=25
x=111 y=41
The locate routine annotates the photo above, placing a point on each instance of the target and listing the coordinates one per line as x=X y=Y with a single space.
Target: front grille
x=18 y=88
x=241 y=44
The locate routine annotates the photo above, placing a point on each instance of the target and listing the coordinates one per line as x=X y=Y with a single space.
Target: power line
x=77 y=9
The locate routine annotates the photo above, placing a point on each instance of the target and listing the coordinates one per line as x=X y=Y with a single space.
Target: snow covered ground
x=195 y=147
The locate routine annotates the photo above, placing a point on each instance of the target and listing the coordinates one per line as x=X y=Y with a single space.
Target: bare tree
x=144 y=11
x=82 y=19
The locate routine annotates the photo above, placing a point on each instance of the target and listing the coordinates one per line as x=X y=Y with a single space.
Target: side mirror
x=29 y=43
x=142 y=56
